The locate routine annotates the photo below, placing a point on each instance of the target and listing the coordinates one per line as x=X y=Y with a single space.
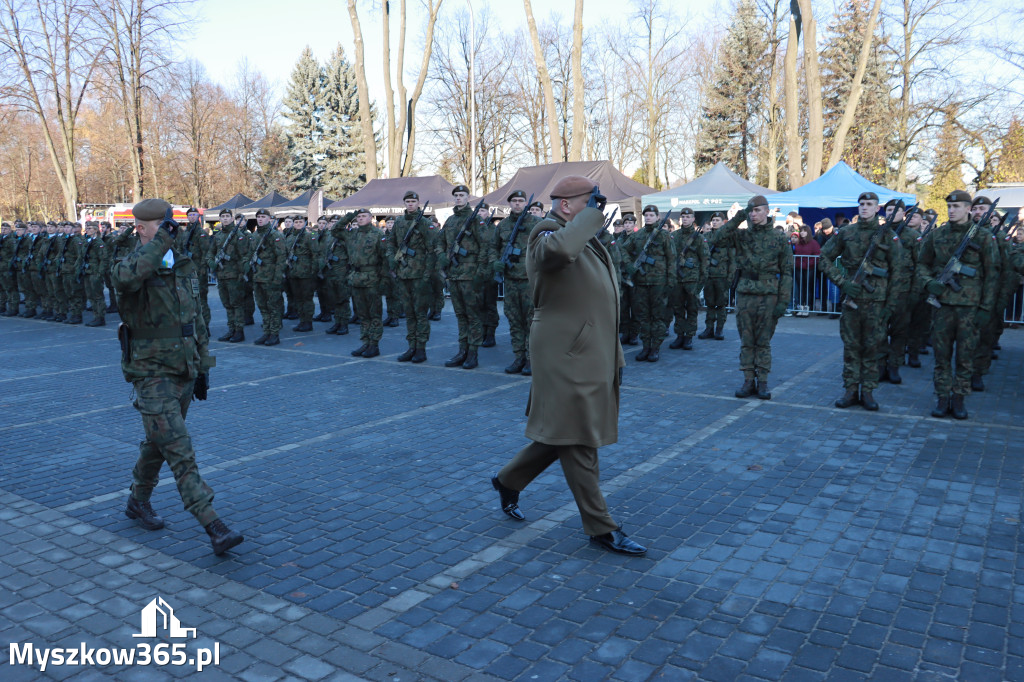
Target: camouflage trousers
x=628 y=322
x=489 y=306
x=110 y=288
x=301 y=300
x=649 y=307
x=756 y=322
x=249 y=299
x=232 y=296
x=271 y=305
x=954 y=326
x=893 y=343
x=9 y=297
x=437 y=287
x=685 y=301
x=27 y=285
x=55 y=300
x=368 y=310
x=204 y=294
x=335 y=296
x=862 y=331
x=987 y=337
x=163 y=403
x=94 y=292
x=73 y=294
x=920 y=322
x=394 y=297
x=467 y=302
x=716 y=298
x=519 y=313
x=416 y=296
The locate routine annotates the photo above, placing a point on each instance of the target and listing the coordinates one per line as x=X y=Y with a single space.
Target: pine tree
x=1011 y=155
x=303 y=108
x=728 y=122
x=341 y=147
x=871 y=142
x=947 y=170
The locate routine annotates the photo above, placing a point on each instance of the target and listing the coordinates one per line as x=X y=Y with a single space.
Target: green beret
x=518 y=194
x=981 y=200
x=757 y=200
x=867 y=196
x=650 y=208
x=458 y=188
x=958 y=195
x=412 y=195
x=686 y=210
x=150 y=209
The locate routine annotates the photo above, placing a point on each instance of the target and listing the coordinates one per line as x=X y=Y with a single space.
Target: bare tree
x=813 y=151
x=365 y=117
x=579 y=128
x=545 y=85
x=839 y=139
x=49 y=41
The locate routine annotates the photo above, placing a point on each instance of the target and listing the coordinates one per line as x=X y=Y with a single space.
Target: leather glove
x=982 y=318
x=597 y=200
x=935 y=287
x=169 y=223
x=780 y=310
x=349 y=217
x=851 y=288
x=201 y=386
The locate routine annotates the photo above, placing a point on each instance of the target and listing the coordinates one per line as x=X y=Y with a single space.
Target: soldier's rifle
x=642 y=259
x=187 y=248
x=63 y=252
x=929 y=226
x=954 y=266
x=866 y=267
x=255 y=260
x=510 y=251
x=697 y=229
x=85 y=266
x=607 y=221
x=292 y=258
x=46 y=256
x=457 y=251
x=31 y=254
x=14 y=258
x=404 y=249
x=222 y=254
x=331 y=258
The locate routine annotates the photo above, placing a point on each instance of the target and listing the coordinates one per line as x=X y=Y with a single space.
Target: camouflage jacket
x=850 y=244
x=691 y=255
x=721 y=259
x=236 y=244
x=121 y=243
x=333 y=249
x=70 y=256
x=367 y=253
x=1008 y=279
x=662 y=272
x=516 y=268
x=303 y=255
x=908 y=259
x=193 y=243
x=45 y=249
x=161 y=308
x=423 y=242
x=937 y=248
x=10 y=252
x=762 y=255
x=94 y=257
x=267 y=255
x=475 y=253
x=610 y=241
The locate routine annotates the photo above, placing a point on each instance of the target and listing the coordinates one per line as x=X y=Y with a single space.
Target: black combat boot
x=342 y=330
x=372 y=352
x=748 y=388
x=112 y=308
x=624 y=339
x=527 y=370
x=488 y=341
x=633 y=340
x=509 y=500
x=655 y=353
x=762 y=388
x=238 y=336
x=868 y=401
x=261 y=340
x=913 y=360
x=27 y=313
x=419 y=355
x=472 y=362
x=46 y=315
x=226 y=337
x=435 y=316
x=249 y=321
x=75 y=319
x=358 y=352
x=96 y=322
x=333 y=329
x=687 y=343
x=324 y=316
x=407 y=355
x=290 y=314
x=391 y=321
x=303 y=327
x=957 y=407
x=677 y=343
x=57 y=317
x=941 y=408
x=708 y=333
x=893 y=374
x=643 y=354
x=222 y=538
x=720 y=331
x=977 y=385
x=849 y=398
x=272 y=340
x=882 y=374
x=459 y=358
x=517 y=365
x=143 y=513
x=354 y=319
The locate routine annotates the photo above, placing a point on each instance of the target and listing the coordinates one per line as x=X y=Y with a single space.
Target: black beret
x=411 y=195
x=931 y=212
x=299 y=217
x=958 y=195
x=650 y=208
x=686 y=210
x=981 y=200
x=225 y=212
x=538 y=204
x=897 y=203
x=483 y=205
x=518 y=194
x=867 y=196
x=717 y=214
x=150 y=209
x=456 y=188
x=191 y=209
x=263 y=211
x=630 y=216
x=757 y=200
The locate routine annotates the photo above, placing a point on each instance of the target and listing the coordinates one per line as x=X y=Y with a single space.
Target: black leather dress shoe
x=509 y=500
x=617 y=541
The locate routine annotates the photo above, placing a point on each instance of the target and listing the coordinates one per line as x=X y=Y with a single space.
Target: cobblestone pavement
x=788 y=540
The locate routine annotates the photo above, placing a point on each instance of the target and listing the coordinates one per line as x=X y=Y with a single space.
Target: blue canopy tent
x=717 y=190
x=834 y=192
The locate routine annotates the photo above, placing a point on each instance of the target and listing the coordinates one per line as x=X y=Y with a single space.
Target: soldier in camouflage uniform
x=716 y=288
x=73 y=292
x=9 y=298
x=333 y=275
x=94 y=267
x=300 y=268
x=437 y=285
x=267 y=260
x=960 y=313
x=629 y=326
x=691 y=273
x=229 y=262
x=28 y=277
x=286 y=228
x=368 y=268
x=249 y=298
x=467 y=258
x=323 y=239
x=518 y=302
x=45 y=264
x=988 y=336
x=164 y=344
x=390 y=289
x=489 y=289
x=651 y=282
x=411 y=263
x=764 y=259
x=865 y=313
x=892 y=348
x=195 y=244
x=919 y=312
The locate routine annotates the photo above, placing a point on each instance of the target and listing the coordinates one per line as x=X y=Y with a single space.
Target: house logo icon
x=158 y=613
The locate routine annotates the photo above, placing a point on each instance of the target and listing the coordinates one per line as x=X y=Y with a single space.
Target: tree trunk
x=794 y=151
x=366 y=121
x=545 y=83
x=815 y=113
x=856 y=88
x=579 y=126
x=389 y=92
x=409 y=121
